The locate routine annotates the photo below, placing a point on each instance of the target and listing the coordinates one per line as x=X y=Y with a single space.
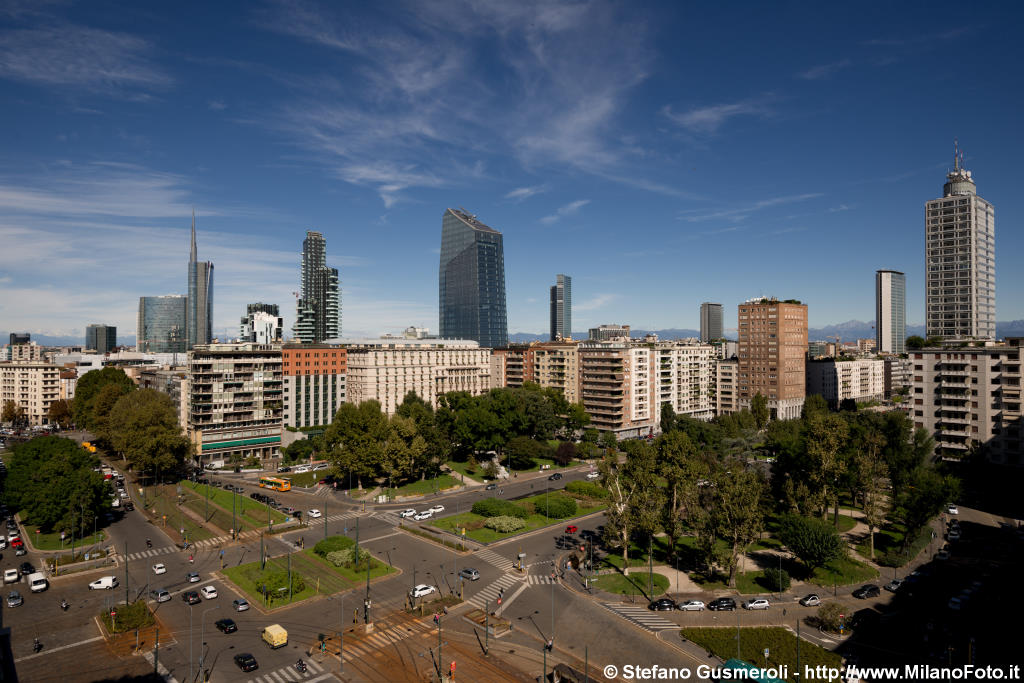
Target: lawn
x=473 y=523
x=636 y=583
x=305 y=479
x=248 y=512
x=51 y=541
x=462 y=468
x=889 y=550
x=845 y=523
x=842 y=572
x=780 y=643
x=163 y=499
x=747 y=583
x=425 y=486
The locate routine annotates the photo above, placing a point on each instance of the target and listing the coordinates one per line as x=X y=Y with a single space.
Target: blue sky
x=662 y=154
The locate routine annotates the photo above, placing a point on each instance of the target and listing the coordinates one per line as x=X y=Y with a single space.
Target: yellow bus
x=275 y=483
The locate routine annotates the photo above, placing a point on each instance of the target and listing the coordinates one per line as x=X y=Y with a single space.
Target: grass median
x=780 y=644
x=249 y=514
x=473 y=524
x=635 y=583
x=52 y=540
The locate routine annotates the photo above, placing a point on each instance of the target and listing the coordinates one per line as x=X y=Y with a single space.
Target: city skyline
x=583 y=130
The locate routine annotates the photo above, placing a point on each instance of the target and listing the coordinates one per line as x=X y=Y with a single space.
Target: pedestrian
x=445 y=608
x=551 y=644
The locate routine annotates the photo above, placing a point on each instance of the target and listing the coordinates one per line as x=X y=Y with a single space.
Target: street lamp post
x=202 y=637
x=190 y=660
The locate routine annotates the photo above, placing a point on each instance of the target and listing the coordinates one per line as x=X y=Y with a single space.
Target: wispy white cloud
x=837 y=209
x=80 y=58
x=521 y=193
x=563 y=211
x=707 y=120
x=217 y=105
x=595 y=303
x=740 y=213
x=823 y=71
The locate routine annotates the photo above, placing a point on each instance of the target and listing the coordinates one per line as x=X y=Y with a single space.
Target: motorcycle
x=64 y=605
x=36 y=645
x=300 y=666
x=149 y=543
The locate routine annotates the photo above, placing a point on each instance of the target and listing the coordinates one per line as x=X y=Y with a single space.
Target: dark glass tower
x=199 y=320
x=561 y=308
x=161 y=324
x=319 y=307
x=471 y=292
x=101 y=338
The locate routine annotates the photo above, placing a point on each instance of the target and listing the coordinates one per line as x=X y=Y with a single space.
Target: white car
x=591 y=476
x=314 y=514
x=13 y=535
x=952 y=509
x=159 y=568
x=420 y=516
x=3 y=542
x=12 y=576
x=208 y=592
x=437 y=508
x=421 y=590
x=759 y=603
x=409 y=512
x=692 y=606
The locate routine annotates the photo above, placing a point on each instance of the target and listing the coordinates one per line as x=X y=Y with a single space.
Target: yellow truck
x=88 y=446
x=275 y=636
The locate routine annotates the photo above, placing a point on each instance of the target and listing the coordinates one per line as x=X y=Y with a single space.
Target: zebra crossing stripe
x=641 y=617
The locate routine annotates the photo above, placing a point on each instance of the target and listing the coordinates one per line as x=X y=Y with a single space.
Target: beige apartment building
x=726 y=394
x=771 y=351
x=28 y=351
x=969 y=398
x=617 y=387
x=840 y=380
x=557 y=365
x=32 y=385
x=385 y=370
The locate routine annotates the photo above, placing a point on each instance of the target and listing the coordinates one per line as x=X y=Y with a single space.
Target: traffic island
x=496 y=627
x=129 y=629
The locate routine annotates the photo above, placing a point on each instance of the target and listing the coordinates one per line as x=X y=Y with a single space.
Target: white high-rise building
x=960 y=299
x=890 y=311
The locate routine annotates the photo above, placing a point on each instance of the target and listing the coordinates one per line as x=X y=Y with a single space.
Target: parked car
x=662 y=605
x=315 y=514
x=942 y=554
x=12 y=576
x=284 y=469
x=240 y=605
x=722 y=605
x=191 y=597
x=692 y=606
x=159 y=568
x=159 y=594
x=571 y=529
x=246 y=662
x=408 y=512
x=811 y=600
x=591 y=476
x=14 y=599
x=894 y=585
x=208 y=592
x=952 y=509
x=192 y=577
x=420 y=516
x=555 y=477
x=421 y=590
x=954 y=603
x=490 y=487
x=759 y=603
x=226 y=625
x=435 y=509
x=954 y=534
x=26 y=568
x=868 y=590
x=20 y=550
x=469 y=574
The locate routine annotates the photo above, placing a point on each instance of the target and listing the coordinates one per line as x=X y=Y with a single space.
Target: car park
x=811 y=600
x=159 y=595
x=868 y=590
x=408 y=512
x=12 y=576
x=662 y=605
x=421 y=590
x=226 y=625
x=159 y=568
x=692 y=606
x=208 y=592
x=14 y=599
x=722 y=605
x=246 y=662
x=240 y=605
x=191 y=597
x=104 y=583
x=315 y=514
x=435 y=509
x=192 y=577
x=469 y=574
x=759 y=603
x=555 y=477
x=420 y=516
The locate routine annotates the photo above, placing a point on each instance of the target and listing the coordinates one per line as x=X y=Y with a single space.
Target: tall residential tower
x=471 y=287
x=711 y=322
x=890 y=311
x=561 y=308
x=772 y=352
x=319 y=306
x=199 y=310
x=960 y=242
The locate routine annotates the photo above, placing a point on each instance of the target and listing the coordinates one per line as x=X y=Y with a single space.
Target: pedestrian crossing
x=287 y=674
x=197 y=546
x=539 y=579
x=640 y=616
x=493 y=558
x=489 y=595
x=381 y=638
x=388 y=516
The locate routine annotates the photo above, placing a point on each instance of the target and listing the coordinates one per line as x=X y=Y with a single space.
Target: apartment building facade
x=969 y=398
x=840 y=380
x=32 y=386
x=314 y=383
x=685 y=378
x=771 y=351
x=617 y=387
x=235 y=401
x=726 y=395
x=898 y=376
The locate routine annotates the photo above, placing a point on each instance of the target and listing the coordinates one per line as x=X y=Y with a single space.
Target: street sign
x=766 y=653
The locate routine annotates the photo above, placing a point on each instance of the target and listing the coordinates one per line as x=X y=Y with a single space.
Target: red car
x=17 y=543
x=571 y=529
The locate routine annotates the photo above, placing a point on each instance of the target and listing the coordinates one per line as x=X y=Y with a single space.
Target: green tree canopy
x=88 y=388
x=143 y=429
x=814 y=541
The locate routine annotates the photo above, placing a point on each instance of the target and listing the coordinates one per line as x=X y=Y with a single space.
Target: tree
x=297 y=451
x=668 y=418
x=523 y=452
x=813 y=405
x=679 y=464
x=814 y=541
x=609 y=441
x=144 y=431
x=927 y=491
x=89 y=387
x=759 y=409
x=737 y=512
x=634 y=497
x=354 y=441
x=825 y=437
x=12 y=413
x=565 y=453
x=437 y=446
x=59 y=413
x=915 y=342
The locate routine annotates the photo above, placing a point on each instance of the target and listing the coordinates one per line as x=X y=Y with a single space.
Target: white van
x=37 y=582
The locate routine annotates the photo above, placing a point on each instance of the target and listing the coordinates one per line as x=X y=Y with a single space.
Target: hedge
x=494 y=507
x=332 y=544
x=590 y=489
x=555 y=507
x=777 y=580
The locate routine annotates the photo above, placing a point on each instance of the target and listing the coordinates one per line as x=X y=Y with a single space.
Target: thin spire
x=194 y=256
x=956 y=155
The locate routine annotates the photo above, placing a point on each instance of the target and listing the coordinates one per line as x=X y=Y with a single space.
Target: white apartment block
x=32 y=385
x=969 y=398
x=839 y=380
x=385 y=370
x=686 y=378
x=726 y=396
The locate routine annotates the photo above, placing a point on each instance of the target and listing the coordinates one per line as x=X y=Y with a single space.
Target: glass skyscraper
x=561 y=308
x=891 y=311
x=471 y=287
x=199 y=316
x=711 y=322
x=318 y=315
x=101 y=338
x=160 y=326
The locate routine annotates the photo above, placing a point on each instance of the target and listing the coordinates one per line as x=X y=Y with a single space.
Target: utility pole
x=156 y=653
x=341 y=636
x=126 y=573
x=487 y=626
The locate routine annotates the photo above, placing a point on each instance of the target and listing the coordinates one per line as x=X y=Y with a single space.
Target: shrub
x=590 y=489
x=332 y=544
x=494 y=507
x=276 y=583
x=135 y=615
x=777 y=580
x=347 y=557
x=829 y=615
x=555 y=507
x=565 y=453
x=505 y=524
x=815 y=541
